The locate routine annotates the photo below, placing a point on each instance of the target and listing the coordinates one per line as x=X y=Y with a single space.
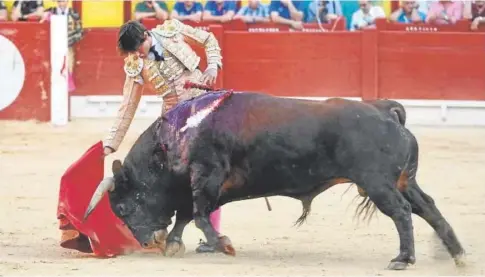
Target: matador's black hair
x=131 y=36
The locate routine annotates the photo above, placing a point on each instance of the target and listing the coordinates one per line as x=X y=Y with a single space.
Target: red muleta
x=103 y=233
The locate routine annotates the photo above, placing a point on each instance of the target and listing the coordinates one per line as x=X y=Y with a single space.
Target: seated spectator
x=3 y=11
x=408 y=13
x=24 y=9
x=445 y=12
x=349 y=7
x=365 y=17
x=151 y=9
x=423 y=5
x=476 y=11
x=287 y=12
x=219 y=10
x=187 y=10
x=326 y=11
x=253 y=12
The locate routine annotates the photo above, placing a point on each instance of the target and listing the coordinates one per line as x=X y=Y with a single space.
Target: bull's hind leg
x=423 y=205
x=392 y=203
x=206 y=182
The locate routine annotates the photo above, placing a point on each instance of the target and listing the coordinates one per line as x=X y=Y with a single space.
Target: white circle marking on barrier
x=12 y=72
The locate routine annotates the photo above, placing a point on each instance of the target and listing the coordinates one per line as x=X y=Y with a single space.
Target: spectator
x=475 y=12
x=219 y=10
x=408 y=13
x=151 y=9
x=365 y=17
x=25 y=9
x=349 y=7
x=74 y=32
x=75 y=29
x=423 y=5
x=478 y=14
x=187 y=10
x=3 y=11
x=326 y=11
x=253 y=12
x=287 y=12
x=445 y=12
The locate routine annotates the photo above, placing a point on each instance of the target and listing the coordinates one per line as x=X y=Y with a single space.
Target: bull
x=253 y=145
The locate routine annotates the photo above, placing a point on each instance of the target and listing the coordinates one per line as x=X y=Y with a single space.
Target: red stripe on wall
x=126 y=11
x=78 y=7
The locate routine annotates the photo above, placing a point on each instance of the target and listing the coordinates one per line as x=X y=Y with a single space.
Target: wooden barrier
x=369 y=64
x=447 y=66
x=26 y=71
x=460 y=26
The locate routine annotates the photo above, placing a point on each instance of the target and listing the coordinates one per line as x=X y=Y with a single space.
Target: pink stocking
x=215 y=218
x=70 y=82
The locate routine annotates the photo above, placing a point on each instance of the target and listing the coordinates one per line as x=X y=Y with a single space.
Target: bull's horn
x=108 y=184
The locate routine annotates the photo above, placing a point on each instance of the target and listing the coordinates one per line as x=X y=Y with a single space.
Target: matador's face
x=144 y=48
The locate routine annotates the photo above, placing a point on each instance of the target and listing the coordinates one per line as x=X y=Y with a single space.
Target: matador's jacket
x=166 y=77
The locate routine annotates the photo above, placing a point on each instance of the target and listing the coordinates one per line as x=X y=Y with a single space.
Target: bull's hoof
x=397 y=265
x=174 y=248
x=401 y=262
x=460 y=260
x=226 y=246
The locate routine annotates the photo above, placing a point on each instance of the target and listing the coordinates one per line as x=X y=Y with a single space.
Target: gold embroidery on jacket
x=131 y=97
x=133 y=65
x=173 y=33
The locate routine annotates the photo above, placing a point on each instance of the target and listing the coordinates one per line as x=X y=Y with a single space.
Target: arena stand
x=437 y=72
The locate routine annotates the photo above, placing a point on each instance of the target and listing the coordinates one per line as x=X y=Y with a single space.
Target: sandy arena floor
x=34 y=156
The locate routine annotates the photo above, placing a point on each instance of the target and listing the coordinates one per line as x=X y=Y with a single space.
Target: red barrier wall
x=309 y=64
x=431 y=65
x=99 y=67
x=395 y=64
x=32 y=40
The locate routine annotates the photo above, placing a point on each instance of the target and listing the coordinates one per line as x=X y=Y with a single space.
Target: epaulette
x=133 y=65
x=169 y=28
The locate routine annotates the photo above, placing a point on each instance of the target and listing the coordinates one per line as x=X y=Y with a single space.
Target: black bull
x=273 y=146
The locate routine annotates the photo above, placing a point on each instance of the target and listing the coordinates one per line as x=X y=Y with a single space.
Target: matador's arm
x=132 y=91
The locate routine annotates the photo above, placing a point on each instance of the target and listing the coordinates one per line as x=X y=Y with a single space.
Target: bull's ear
x=119 y=174
x=116 y=167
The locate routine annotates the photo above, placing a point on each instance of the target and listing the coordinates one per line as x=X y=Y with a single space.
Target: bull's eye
x=121 y=209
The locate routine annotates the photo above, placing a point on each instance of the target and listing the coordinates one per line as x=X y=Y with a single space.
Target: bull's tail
x=390 y=107
x=367 y=206
x=306 y=203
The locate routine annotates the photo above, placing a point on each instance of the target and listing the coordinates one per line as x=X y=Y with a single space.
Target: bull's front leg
x=206 y=182
x=175 y=247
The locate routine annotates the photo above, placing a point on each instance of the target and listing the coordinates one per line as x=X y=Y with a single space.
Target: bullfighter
x=161 y=58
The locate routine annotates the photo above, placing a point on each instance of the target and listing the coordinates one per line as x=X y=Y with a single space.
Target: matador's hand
x=107 y=151
x=209 y=77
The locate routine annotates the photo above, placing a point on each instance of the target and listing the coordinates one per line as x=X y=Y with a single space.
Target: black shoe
x=205 y=248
